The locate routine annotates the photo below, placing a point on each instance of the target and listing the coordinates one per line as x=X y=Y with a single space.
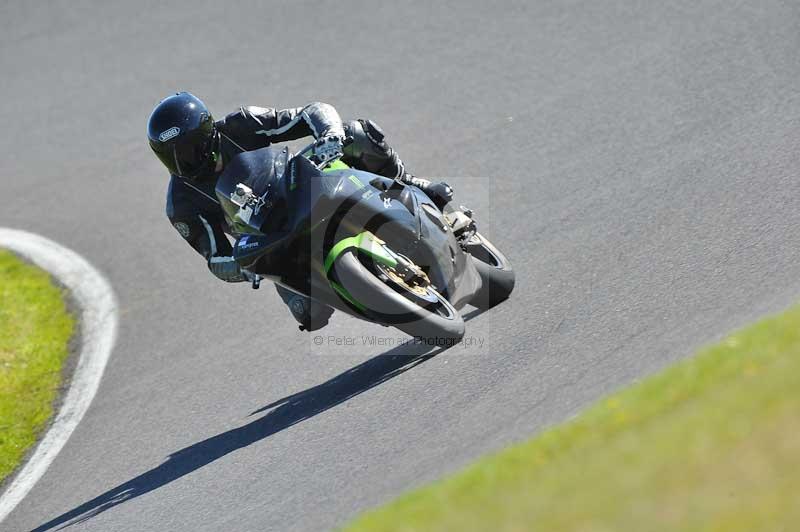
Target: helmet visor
x=192 y=154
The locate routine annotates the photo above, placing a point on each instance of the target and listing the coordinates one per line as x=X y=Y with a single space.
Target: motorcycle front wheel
x=418 y=311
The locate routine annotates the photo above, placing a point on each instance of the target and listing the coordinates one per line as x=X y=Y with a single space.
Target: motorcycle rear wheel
x=497 y=275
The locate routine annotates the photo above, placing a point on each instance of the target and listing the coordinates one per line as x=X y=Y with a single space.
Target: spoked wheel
x=418 y=289
x=497 y=276
x=399 y=297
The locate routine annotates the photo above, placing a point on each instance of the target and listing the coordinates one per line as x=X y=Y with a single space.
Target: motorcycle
x=367 y=245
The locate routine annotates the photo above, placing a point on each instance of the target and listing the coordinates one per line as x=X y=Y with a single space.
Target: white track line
x=98 y=321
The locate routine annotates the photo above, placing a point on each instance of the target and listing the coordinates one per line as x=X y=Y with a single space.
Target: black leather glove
x=227 y=269
x=441 y=193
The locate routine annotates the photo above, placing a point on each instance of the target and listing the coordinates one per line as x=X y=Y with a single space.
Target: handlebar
x=319 y=165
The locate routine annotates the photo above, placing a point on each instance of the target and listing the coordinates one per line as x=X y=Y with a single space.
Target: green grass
x=35 y=329
x=712 y=443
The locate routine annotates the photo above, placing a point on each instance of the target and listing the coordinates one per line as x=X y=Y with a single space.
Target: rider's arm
x=204 y=231
x=256 y=127
x=206 y=236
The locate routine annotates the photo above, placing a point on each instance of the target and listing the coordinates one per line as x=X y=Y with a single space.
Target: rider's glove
x=226 y=268
x=441 y=193
x=328 y=148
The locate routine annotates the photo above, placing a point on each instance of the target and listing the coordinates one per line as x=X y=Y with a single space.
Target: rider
x=195 y=149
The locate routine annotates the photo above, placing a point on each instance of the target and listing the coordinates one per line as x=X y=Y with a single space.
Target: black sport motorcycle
x=370 y=246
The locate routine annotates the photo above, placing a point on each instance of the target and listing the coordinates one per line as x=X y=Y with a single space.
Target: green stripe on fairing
x=346 y=295
x=365 y=242
x=356 y=181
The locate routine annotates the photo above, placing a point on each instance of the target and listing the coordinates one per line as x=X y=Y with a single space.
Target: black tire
x=494 y=269
x=438 y=323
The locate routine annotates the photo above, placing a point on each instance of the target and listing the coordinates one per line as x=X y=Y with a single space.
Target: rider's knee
x=310 y=314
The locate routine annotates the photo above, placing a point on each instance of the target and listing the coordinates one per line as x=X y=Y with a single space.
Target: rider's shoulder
x=186 y=200
x=175 y=201
x=176 y=189
x=181 y=190
x=247 y=115
x=173 y=180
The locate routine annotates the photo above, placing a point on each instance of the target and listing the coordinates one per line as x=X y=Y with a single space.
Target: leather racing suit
x=195 y=212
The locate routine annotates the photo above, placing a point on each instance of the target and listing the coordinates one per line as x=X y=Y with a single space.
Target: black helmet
x=183 y=136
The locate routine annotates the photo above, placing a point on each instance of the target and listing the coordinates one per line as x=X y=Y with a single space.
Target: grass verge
x=712 y=443
x=35 y=329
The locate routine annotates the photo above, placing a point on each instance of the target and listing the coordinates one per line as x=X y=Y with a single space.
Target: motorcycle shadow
x=280 y=415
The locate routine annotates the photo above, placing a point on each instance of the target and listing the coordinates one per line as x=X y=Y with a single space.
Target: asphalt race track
x=637 y=162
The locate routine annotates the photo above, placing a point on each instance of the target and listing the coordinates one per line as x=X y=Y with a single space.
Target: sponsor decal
x=243 y=244
x=356 y=181
x=183 y=229
x=170 y=133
